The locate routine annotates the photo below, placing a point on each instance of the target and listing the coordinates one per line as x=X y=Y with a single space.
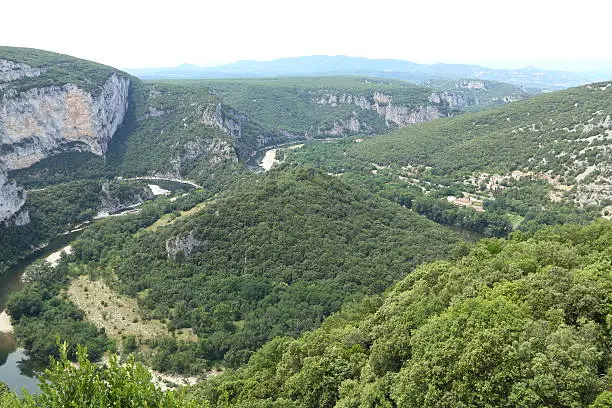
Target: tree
x=88 y=385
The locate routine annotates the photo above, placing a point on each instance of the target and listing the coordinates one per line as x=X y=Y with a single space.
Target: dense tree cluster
x=275 y=255
x=87 y=385
x=55 y=209
x=517 y=323
x=39 y=313
x=546 y=133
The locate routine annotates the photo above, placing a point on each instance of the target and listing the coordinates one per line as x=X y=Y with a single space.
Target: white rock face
x=471 y=84
x=12 y=200
x=181 y=247
x=226 y=119
x=42 y=121
x=11 y=71
x=449 y=98
x=382 y=104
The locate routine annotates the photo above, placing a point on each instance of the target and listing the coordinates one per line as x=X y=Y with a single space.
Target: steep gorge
x=42 y=121
x=40 y=116
x=12 y=200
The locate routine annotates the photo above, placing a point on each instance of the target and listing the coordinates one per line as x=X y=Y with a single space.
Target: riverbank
x=268 y=160
x=5 y=323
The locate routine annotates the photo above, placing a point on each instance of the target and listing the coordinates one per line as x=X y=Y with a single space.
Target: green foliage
x=58 y=70
x=517 y=323
x=537 y=133
x=169 y=137
x=39 y=313
x=54 y=210
x=555 y=137
x=276 y=253
x=87 y=385
x=40 y=310
x=289 y=103
x=332 y=157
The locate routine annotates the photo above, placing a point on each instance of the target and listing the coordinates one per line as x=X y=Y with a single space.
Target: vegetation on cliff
x=56 y=70
x=541 y=161
x=55 y=210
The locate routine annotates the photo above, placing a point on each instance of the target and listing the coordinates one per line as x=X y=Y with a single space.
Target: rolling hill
x=322 y=65
x=273 y=255
x=550 y=152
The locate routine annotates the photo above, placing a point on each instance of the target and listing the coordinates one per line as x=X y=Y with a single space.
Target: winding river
x=16 y=370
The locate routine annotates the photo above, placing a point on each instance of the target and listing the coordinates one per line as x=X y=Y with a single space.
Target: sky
x=572 y=35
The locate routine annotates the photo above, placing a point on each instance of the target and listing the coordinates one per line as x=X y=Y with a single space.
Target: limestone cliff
x=181 y=247
x=233 y=123
x=39 y=122
x=226 y=119
x=11 y=71
x=393 y=114
x=214 y=151
x=12 y=201
x=112 y=201
x=452 y=99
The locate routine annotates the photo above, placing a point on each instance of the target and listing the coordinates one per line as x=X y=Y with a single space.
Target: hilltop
x=273 y=255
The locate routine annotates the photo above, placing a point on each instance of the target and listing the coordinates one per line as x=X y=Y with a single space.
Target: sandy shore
x=269 y=160
x=54 y=258
x=5 y=323
x=157 y=190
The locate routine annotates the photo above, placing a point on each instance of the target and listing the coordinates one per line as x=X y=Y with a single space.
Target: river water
x=15 y=368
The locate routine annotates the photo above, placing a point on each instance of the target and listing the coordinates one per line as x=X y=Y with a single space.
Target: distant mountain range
x=385 y=68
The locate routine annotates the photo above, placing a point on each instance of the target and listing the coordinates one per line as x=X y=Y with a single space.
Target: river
x=263 y=159
x=15 y=368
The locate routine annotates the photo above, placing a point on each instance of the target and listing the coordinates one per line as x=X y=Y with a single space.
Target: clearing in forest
x=117 y=314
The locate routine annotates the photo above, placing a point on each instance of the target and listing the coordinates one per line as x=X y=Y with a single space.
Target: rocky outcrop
x=226 y=119
x=402 y=116
x=181 y=247
x=382 y=104
x=470 y=84
x=111 y=203
x=510 y=98
x=233 y=123
x=450 y=99
x=214 y=150
x=12 y=71
x=42 y=121
x=340 y=127
x=12 y=201
x=154 y=112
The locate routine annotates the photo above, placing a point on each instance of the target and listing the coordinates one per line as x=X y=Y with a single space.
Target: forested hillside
x=200 y=129
x=55 y=210
x=541 y=161
x=272 y=256
x=321 y=282
x=523 y=322
x=285 y=108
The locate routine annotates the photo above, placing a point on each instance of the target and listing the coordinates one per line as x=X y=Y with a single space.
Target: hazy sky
x=131 y=34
